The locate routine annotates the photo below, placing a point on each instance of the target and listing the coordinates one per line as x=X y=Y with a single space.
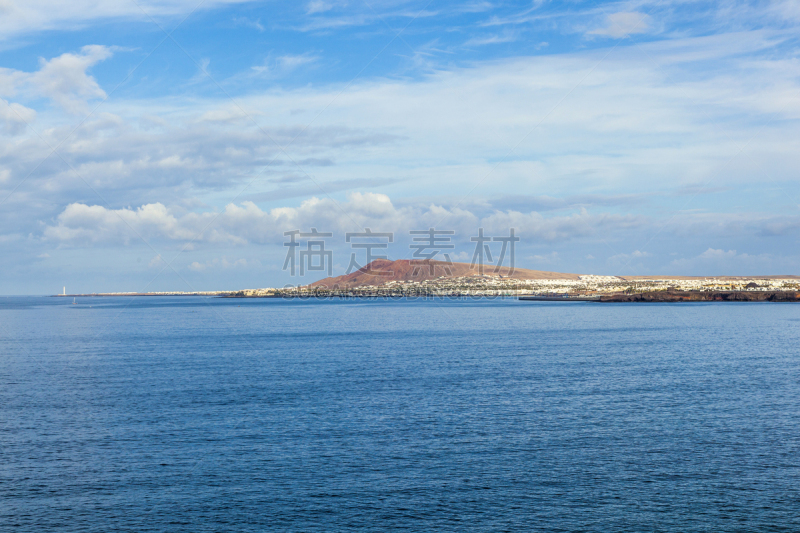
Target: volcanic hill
x=383 y=271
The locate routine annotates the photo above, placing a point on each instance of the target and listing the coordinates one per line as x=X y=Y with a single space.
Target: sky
x=169 y=146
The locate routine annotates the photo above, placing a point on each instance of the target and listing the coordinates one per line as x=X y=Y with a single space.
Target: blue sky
x=168 y=145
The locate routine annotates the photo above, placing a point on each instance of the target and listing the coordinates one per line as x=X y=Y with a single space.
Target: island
x=384 y=278
x=427 y=278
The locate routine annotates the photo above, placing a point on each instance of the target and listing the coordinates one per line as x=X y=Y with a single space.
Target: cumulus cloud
x=93 y=224
x=411 y=136
x=81 y=224
x=625 y=118
x=63 y=79
x=622 y=24
x=715 y=255
x=14 y=118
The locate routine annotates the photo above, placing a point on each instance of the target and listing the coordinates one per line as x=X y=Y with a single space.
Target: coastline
x=404 y=279
x=703 y=296
x=643 y=297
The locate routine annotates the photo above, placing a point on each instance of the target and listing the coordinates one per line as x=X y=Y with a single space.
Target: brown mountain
x=381 y=271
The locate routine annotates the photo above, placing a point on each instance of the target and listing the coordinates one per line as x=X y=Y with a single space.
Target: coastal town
x=497 y=285
x=403 y=278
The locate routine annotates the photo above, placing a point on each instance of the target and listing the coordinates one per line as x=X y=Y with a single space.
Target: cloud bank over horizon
x=611 y=136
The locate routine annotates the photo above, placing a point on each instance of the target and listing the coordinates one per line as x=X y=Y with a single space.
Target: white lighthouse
x=65 y=291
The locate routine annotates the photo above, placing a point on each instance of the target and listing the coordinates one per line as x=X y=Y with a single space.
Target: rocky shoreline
x=704 y=296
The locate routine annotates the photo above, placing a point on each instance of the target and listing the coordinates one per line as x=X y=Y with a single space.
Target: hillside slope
x=382 y=271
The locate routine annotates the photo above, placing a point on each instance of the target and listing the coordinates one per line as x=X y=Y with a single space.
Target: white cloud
x=546 y=259
x=625 y=128
x=623 y=24
x=223 y=264
x=157 y=262
x=283 y=65
x=716 y=255
x=92 y=224
x=784 y=9
x=717 y=261
x=636 y=254
x=244 y=21
x=228 y=114
x=497 y=38
x=558 y=228
x=63 y=79
x=632 y=260
x=711 y=256
x=318 y=6
x=477 y=6
x=659 y=119
x=18 y=17
x=14 y=118
x=81 y=224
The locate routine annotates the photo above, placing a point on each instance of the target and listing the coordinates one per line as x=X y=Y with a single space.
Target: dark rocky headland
x=704 y=296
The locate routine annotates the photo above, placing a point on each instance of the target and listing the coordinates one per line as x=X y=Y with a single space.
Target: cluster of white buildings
x=591 y=284
x=489 y=285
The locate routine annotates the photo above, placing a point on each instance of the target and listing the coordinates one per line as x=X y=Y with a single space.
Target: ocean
x=207 y=414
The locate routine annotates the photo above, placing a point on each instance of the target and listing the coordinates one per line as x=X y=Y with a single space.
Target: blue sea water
x=204 y=414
